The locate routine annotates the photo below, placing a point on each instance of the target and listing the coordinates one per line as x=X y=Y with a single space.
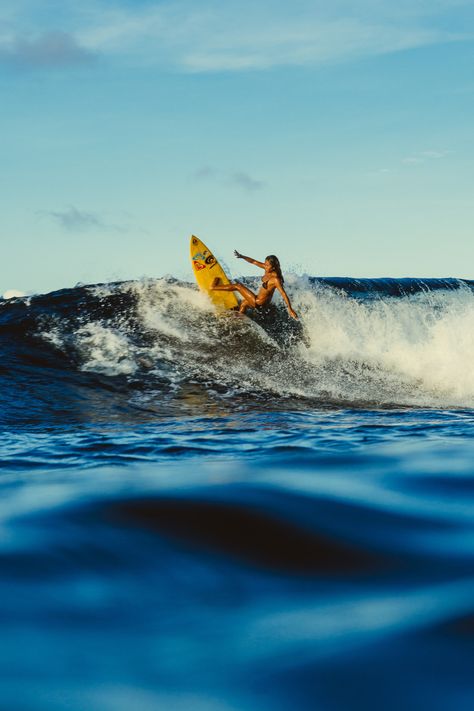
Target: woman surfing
x=271 y=280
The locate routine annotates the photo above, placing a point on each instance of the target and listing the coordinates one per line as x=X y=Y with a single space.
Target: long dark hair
x=275 y=265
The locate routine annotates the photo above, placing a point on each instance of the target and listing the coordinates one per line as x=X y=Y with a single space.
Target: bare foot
x=215 y=282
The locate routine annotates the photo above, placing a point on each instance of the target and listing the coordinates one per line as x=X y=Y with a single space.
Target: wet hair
x=275 y=265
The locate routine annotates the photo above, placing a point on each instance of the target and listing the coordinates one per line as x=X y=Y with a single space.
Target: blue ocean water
x=206 y=512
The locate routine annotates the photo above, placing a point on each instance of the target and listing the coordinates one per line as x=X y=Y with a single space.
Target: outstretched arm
x=286 y=299
x=249 y=259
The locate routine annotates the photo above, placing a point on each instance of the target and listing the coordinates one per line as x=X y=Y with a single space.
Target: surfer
x=271 y=280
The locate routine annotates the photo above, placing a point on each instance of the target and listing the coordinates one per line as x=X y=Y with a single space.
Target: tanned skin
x=264 y=296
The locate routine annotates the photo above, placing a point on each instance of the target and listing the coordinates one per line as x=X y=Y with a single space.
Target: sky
x=338 y=135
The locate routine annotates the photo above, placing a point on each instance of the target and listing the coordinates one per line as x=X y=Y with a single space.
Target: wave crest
x=404 y=343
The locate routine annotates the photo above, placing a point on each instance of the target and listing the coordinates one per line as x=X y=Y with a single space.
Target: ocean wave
x=159 y=345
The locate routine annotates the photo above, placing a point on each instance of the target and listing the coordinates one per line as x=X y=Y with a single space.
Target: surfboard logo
x=198 y=266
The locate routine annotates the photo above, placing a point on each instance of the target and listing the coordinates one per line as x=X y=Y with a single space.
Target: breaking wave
x=159 y=346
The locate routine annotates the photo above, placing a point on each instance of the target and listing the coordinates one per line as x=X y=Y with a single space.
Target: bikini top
x=265 y=283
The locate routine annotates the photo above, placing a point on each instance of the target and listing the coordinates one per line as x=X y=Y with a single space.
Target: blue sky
x=337 y=135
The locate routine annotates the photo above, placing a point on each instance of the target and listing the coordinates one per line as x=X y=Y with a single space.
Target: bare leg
x=249 y=297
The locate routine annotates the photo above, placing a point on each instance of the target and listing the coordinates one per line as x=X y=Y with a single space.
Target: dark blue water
x=203 y=512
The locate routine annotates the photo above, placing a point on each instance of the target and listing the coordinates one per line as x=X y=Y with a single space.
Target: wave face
x=138 y=350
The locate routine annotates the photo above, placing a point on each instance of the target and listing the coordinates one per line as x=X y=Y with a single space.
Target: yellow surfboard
x=206 y=268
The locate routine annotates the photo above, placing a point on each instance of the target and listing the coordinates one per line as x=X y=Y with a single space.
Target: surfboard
x=206 y=268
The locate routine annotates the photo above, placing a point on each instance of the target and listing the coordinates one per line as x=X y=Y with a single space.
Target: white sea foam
x=424 y=341
x=13 y=294
x=105 y=350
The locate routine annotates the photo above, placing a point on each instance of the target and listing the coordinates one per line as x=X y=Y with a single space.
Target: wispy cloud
x=317 y=43
x=236 y=35
x=50 y=49
x=205 y=173
x=418 y=158
x=232 y=36
x=424 y=156
x=412 y=160
x=246 y=182
x=434 y=154
x=74 y=220
x=237 y=179
x=379 y=173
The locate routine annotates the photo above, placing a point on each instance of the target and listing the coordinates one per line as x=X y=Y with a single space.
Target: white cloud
x=237 y=34
x=316 y=44
x=234 y=36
